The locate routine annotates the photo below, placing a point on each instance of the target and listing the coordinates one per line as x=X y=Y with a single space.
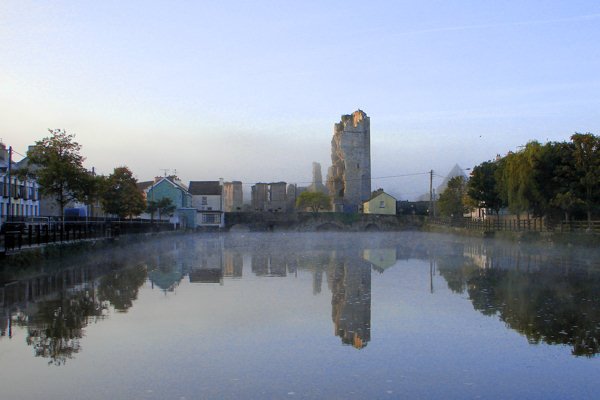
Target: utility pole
x=9 y=211
x=431 y=213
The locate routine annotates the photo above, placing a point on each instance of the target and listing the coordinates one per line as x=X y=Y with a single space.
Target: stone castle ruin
x=349 y=177
x=317 y=179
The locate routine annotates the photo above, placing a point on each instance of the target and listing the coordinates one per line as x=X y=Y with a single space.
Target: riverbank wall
x=53 y=251
x=584 y=239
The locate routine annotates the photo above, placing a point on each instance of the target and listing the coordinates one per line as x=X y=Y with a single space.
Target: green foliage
x=92 y=188
x=587 y=167
x=58 y=167
x=163 y=206
x=121 y=195
x=544 y=180
x=521 y=190
x=452 y=200
x=314 y=200
x=484 y=187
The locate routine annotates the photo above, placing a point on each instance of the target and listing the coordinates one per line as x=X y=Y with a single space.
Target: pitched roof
x=456 y=171
x=378 y=193
x=207 y=188
x=144 y=185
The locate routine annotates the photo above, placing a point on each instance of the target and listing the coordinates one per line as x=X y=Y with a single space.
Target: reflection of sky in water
x=267 y=316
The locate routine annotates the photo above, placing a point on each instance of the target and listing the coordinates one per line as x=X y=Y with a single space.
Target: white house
x=18 y=198
x=207 y=199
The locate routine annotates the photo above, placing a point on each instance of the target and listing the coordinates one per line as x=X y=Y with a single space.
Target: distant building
x=454 y=172
x=270 y=197
x=380 y=203
x=23 y=195
x=317 y=180
x=277 y=197
x=405 y=207
x=260 y=196
x=233 y=196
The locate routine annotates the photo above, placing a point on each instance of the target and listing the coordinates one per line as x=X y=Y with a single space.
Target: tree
x=314 y=200
x=483 y=187
x=121 y=195
x=452 y=200
x=587 y=167
x=58 y=167
x=165 y=206
x=520 y=188
x=92 y=188
x=152 y=208
x=162 y=206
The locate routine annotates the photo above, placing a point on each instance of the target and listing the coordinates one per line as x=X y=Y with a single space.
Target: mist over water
x=320 y=315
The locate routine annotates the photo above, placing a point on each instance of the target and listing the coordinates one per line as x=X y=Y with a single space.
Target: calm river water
x=294 y=316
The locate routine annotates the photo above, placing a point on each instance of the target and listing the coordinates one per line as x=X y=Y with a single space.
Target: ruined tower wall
x=349 y=177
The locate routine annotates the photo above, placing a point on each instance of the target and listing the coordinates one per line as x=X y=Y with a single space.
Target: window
x=204 y=200
x=382 y=204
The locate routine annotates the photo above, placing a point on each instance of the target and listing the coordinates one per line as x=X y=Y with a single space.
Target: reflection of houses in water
x=168 y=270
x=273 y=264
x=495 y=255
x=233 y=264
x=208 y=264
x=380 y=259
x=351 y=300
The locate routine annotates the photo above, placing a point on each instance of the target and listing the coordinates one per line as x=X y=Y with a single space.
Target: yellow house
x=380 y=203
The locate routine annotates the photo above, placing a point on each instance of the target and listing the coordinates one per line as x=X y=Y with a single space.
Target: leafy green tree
x=452 y=200
x=120 y=288
x=520 y=188
x=151 y=208
x=483 y=187
x=314 y=200
x=121 y=195
x=57 y=165
x=587 y=167
x=165 y=206
x=92 y=188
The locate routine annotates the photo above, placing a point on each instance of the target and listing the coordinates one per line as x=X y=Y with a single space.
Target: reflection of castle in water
x=350 y=280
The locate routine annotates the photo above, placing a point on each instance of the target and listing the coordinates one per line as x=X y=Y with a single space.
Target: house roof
x=455 y=171
x=379 y=193
x=144 y=185
x=207 y=188
x=175 y=182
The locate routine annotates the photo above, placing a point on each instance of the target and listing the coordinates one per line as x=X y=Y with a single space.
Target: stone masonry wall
x=349 y=177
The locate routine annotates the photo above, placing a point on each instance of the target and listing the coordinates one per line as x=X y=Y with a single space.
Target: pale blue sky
x=251 y=90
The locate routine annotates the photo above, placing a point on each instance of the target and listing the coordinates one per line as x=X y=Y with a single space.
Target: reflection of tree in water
x=556 y=304
x=547 y=306
x=55 y=329
x=121 y=287
x=350 y=280
x=57 y=325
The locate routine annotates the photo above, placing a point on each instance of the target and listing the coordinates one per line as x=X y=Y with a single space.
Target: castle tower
x=349 y=177
x=317 y=179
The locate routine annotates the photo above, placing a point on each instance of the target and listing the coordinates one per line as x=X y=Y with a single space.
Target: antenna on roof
x=164 y=170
